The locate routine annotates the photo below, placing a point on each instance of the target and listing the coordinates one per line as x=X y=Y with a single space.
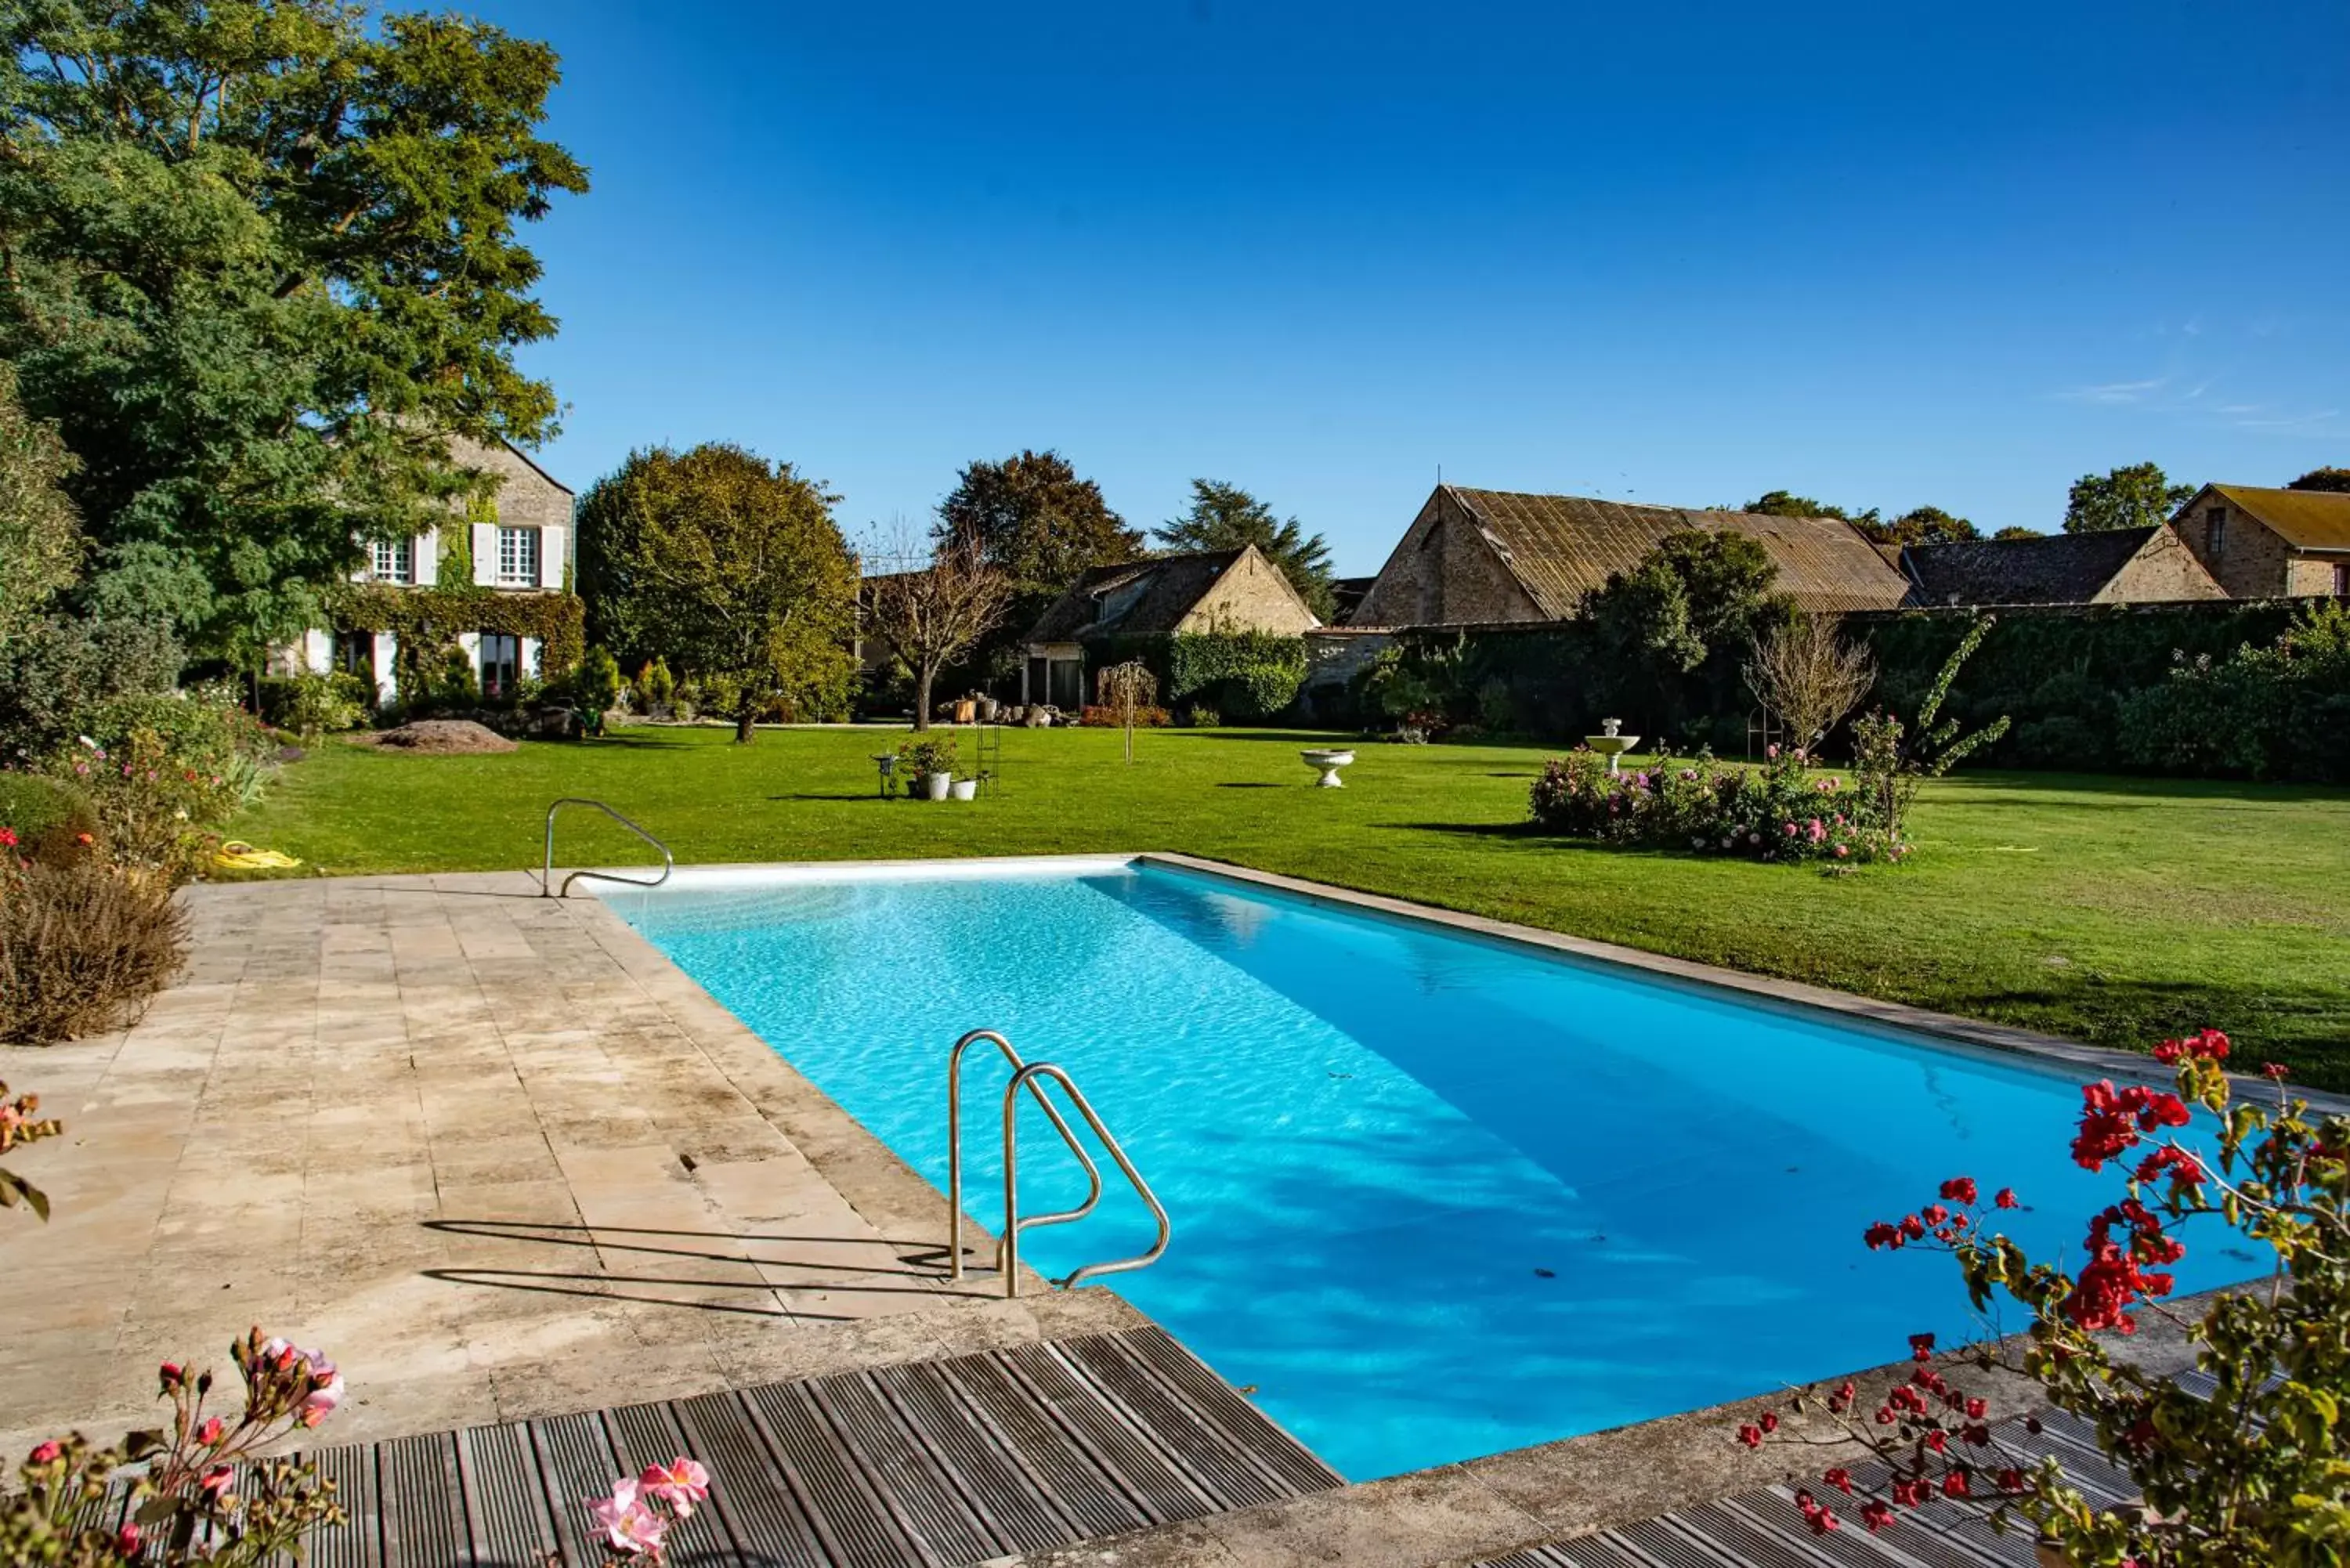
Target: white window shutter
x=486 y=553
x=428 y=557
x=550 y=556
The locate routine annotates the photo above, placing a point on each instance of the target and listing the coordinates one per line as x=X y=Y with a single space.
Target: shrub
x=311 y=704
x=52 y=820
x=55 y=676
x=596 y=683
x=1779 y=811
x=156 y=800
x=655 y=687
x=933 y=754
x=81 y=945
x=1258 y=693
x=1200 y=716
x=2253 y=1473
x=2282 y=711
x=1200 y=662
x=1146 y=717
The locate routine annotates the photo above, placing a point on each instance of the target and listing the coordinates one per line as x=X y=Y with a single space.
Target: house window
x=2215 y=530
x=501 y=663
x=518 y=558
x=394 y=560
x=2342 y=581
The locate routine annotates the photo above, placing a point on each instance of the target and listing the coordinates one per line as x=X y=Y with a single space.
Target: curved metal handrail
x=1027 y=1078
x=547 y=888
x=954 y=1152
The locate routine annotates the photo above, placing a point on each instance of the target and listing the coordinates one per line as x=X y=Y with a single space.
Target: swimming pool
x=1434 y=1196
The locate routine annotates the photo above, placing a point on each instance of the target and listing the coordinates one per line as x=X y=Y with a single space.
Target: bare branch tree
x=1803 y=671
x=932 y=613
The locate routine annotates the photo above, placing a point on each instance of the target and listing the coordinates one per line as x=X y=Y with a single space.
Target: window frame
x=518 y=578
x=392 y=561
x=485 y=667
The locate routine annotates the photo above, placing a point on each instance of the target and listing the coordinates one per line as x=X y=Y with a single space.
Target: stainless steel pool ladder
x=1027 y=1075
x=547 y=888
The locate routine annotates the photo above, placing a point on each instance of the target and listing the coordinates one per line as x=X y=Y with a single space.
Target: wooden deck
x=936 y=1463
x=1764 y=1530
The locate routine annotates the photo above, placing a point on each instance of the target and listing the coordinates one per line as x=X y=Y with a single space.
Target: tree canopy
x=40 y=538
x=1918 y=525
x=730 y=569
x=1677 y=622
x=2337 y=479
x=261 y=257
x=2012 y=532
x=1226 y=517
x=2139 y=495
x=1034 y=520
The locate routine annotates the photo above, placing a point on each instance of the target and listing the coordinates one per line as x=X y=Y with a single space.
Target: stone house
x=1207 y=591
x=2265 y=543
x=2118 y=565
x=520 y=543
x=1486 y=556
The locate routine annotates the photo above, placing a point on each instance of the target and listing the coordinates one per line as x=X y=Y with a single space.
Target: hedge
x=425 y=616
x=2061 y=673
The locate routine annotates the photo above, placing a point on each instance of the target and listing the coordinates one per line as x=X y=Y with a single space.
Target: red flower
x=1936 y=1440
x=1875 y=1515
x=45 y=1452
x=2274 y=1070
x=1976 y=1409
x=1883 y=1235
x=218 y=1480
x=1840 y=1479
x=2209 y=1045
x=126 y=1540
x=210 y=1432
x=2011 y=1481
x=1750 y=1436
x=1770 y=1420
x=8 y=838
x=1934 y=1214
x=2005 y=1198
x=1921 y=1346
x=1959 y=1189
x=170 y=1375
x=1955 y=1484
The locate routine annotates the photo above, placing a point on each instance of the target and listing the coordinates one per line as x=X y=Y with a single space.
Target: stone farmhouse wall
x=2165 y=570
x=2250 y=561
x=1251 y=595
x=1443 y=574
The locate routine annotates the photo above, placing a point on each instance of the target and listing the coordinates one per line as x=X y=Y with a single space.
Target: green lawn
x=2109 y=910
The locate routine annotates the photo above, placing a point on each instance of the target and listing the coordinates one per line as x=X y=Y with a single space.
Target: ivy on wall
x=432 y=619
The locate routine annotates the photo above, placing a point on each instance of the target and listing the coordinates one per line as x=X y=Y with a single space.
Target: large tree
x=1672 y=627
x=2337 y=479
x=261 y=257
x=2139 y=495
x=1034 y=520
x=1226 y=517
x=728 y=569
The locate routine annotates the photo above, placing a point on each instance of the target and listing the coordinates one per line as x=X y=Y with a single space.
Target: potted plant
x=930 y=759
x=2252 y=1472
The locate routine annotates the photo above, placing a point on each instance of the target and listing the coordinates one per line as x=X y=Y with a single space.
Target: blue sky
x=1883 y=255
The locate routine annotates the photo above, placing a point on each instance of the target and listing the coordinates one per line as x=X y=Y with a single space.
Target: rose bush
x=1779 y=811
x=2256 y=1475
x=202 y=1493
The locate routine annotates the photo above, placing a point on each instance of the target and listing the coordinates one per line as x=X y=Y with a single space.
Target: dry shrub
x=82 y=947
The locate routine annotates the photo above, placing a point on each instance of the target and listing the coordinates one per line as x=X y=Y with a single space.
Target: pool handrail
x=954 y=1152
x=1027 y=1078
x=546 y=873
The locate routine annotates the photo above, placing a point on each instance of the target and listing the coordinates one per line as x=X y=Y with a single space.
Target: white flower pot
x=966 y=789
x=935 y=785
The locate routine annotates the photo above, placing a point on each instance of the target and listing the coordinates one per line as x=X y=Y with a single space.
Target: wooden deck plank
x=1163 y=1485
x=1296 y=1465
x=923 y=1498
x=650 y=1435
x=938 y=1464
x=423 y=1502
x=761 y=1514
x=506 y=1517
x=1066 y=1471
x=1015 y=1508
x=862 y=1529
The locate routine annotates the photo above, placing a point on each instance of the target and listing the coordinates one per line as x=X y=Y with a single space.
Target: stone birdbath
x=1612 y=744
x=1328 y=763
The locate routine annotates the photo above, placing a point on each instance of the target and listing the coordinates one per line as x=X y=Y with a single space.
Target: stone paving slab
x=490 y=1151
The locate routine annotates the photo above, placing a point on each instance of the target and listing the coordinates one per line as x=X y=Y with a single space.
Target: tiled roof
x=2062 y=569
x=1166 y=587
x=2306 y=519
x=1561 y=546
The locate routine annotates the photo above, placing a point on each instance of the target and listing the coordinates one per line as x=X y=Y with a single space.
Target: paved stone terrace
x=490 y=1151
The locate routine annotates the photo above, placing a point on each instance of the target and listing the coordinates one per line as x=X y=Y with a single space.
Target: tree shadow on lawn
x=2164 y=790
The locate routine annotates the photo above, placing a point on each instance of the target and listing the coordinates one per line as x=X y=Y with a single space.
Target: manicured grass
x=2109 y=910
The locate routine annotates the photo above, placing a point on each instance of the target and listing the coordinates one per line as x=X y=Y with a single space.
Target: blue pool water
x=1433 y=1196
